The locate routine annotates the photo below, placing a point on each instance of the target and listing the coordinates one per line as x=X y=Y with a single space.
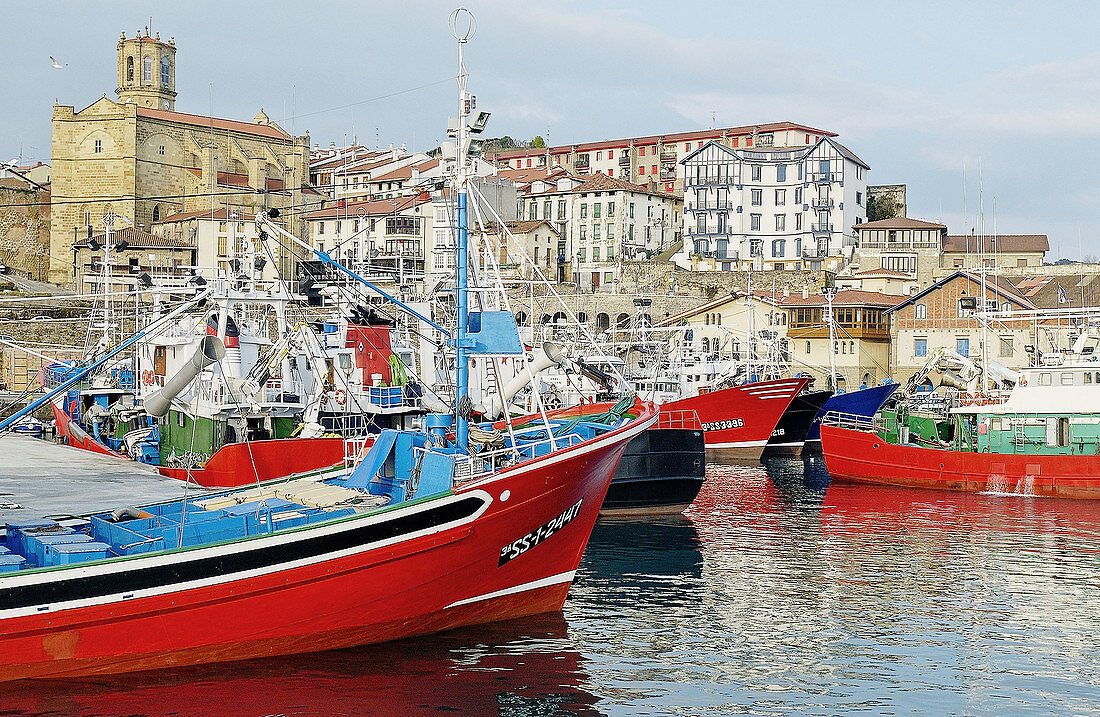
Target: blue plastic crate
x=69 y=553
x=10 y=563
x=42 y=545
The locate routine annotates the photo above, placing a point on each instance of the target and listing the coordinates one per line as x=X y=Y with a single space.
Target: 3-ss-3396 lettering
x=722 y=425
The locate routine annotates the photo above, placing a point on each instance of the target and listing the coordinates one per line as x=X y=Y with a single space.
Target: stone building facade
x=141 y=159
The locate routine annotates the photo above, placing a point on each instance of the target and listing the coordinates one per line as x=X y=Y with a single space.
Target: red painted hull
x=232 y=465
x=447 y=575
x=863 y=457
x=76 y=436
x=738 y=421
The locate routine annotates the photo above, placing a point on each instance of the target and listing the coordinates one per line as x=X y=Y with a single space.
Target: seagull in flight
x=57 y=65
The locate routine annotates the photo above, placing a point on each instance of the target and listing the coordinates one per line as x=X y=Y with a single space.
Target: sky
x=1003 y=94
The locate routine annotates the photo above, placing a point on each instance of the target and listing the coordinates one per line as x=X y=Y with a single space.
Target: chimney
x=805 y=293
x=786 y=293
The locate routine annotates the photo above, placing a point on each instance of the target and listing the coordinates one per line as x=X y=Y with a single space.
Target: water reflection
x=828 y=599
x=775 y=593
x=523 y=668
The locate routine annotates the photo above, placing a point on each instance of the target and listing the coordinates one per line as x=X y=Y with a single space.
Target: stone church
x=139 y=158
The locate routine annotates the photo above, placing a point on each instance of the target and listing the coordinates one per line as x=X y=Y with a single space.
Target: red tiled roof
x=237 y=179
x=845 y=297
x=963 y=244
x=221 y=214
x=376 y=208
x=604 y=183
x=899 y=223
x=136 y=239
x=529 y=225
x=666 y=138
x=406 y=171
x=262 y=130
x=867 y=273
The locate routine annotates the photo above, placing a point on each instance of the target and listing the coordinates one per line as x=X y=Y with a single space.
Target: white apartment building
x=603 y=221
x=780 y=208
x=219 y=236
x=386 y=239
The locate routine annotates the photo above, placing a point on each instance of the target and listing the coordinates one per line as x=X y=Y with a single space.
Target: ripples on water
x=773 y=594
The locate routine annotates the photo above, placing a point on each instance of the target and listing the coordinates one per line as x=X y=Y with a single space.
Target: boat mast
x=830 y=292
x=462 y=28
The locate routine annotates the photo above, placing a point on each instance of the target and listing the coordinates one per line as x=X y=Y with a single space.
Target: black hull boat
x=661 y=472
x=790 y=433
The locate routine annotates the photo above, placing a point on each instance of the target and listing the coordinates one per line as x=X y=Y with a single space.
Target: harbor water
x=776 y=593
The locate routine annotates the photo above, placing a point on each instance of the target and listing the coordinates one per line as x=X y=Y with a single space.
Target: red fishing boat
x=863 y=456
x=738 y=421
x=232 y=585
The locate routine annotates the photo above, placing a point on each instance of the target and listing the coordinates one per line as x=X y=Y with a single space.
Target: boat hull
x=789 y=435
x=497 y=548
x=865 y=402
x=74 y=435
x=863 y=457
x=661 y=472
x=738 y=421
x=238 y=464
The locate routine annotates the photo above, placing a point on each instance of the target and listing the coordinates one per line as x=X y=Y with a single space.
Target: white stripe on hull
x=533 y=585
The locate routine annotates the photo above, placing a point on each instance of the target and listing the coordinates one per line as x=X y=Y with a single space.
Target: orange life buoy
x=341 y=396
x=147 y=377
x=1023 y=381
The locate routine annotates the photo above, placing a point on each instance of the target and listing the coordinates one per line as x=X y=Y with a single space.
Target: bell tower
x=147 y=71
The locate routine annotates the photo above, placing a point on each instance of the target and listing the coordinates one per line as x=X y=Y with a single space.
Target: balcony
x=668 y=154
x=822 y=203
x=709 y=206
x=668 y=174
x=624 y=159
x=582 y=162
x=821 y=228
x=823 y=177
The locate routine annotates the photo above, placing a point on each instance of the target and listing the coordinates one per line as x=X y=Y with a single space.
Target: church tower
x=147 y=71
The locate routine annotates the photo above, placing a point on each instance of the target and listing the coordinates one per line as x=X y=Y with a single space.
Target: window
x=165 y=71
x=223 y=247
x=757 y=197
x=596 y=232
x=780 y=197
x=610 y=210
x=147 y=69
x=962 y=347
x=781 y=173
x=130 y=69
x=98 y=146
x=779 y=247
x=595 y=253
x=722 y=219
x=641 y=169
x=1066 y=379
x=798 y=195
x=1006 y=346
x=580 y=254
x=653 y=170
x=798 y=222
x=533 y=211
x=339 y=226
x=584 y=232
x=596 y=210
x=160 y=150
x=903 y=264
x=920 y=347
x=859 y=198
x=1044 y=379
x=599 y=156
x=701 y=224
x=920 y=311
x=561 y=210
x=807 y=347
x=632 y=210
x=610 y=232
x=546 y=210
x=584 y=211
x=641 y=153
x=781 y=222
x=754 y=222
x=756 y=173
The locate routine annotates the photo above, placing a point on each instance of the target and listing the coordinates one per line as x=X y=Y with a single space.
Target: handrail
x=854 y=421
